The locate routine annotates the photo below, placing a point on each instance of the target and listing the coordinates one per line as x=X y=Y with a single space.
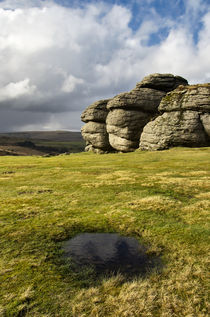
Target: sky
x=59 y=56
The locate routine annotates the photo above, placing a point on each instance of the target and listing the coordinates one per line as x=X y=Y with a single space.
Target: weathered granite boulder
x=164 y=82
x=192 y=97
x=129 y=112
x=94 y=131
x=96 y=112
x=185 y=120
x=124 y=128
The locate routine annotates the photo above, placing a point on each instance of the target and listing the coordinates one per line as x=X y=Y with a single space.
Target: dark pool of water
x=109 y=252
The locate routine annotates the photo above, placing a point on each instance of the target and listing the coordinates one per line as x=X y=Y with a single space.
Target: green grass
x=160 y=198
x=68 y=146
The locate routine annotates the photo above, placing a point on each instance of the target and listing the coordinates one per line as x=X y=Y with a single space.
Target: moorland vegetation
x=160 y=198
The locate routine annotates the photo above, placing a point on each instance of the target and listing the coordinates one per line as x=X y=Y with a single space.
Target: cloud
x=16 y=90
x=70 y=83
x=56 y=60
x=195 y=6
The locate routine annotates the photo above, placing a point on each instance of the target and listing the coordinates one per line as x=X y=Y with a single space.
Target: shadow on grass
x=88 y=258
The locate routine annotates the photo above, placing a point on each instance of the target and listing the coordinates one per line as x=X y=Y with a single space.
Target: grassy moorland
x=160 y=198
x=40 y=143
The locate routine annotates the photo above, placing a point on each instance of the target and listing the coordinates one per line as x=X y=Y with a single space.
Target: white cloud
x=21 y=31
x=70 y=83
x=57 y=60
x=16 y=90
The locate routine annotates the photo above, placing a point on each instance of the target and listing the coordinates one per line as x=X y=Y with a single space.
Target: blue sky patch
x=177 y=11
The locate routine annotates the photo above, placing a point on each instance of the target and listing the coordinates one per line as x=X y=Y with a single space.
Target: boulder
x=124 y=128
x=140 y=99
x=173 y=129
x=193 y=97
x=95 y=134
x=96 y=112
x=122 y=144
x=163 y=82
x=185 y=120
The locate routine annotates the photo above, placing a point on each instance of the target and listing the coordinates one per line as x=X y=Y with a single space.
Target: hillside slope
x=40 y=143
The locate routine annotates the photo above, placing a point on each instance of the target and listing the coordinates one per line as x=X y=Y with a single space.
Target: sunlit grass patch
x=113 y=178
x=157 y=203
x=197 y=212
x=205 y=195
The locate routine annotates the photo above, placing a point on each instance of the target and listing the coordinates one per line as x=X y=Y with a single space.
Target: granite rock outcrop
x=117 y=124
x=184 y=120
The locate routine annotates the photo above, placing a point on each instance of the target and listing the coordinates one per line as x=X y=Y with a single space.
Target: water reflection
x=108 y=252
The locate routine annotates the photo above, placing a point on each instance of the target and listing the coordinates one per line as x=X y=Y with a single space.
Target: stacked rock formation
x=117 y=124
x=94 y=131
x=129 y=112
x=185 y=120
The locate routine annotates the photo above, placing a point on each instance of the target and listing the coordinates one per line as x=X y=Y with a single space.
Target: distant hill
x=45 y=135
x=40 y=142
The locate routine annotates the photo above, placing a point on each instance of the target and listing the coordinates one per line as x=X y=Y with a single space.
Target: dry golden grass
x=156 y=295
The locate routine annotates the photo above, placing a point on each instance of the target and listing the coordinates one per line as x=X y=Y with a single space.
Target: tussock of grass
x=160 y=198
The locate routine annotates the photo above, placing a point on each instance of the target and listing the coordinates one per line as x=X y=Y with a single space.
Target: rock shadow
x=109 y=253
